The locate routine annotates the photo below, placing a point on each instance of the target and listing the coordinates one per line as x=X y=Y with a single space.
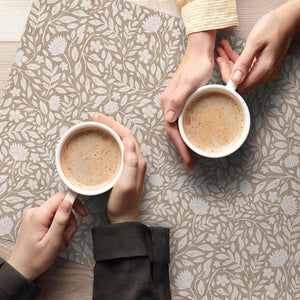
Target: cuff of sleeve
x=13 y=284
x=201 y=15
x=131 y=239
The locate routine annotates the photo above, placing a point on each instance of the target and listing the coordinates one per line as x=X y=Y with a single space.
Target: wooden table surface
x=66 y=279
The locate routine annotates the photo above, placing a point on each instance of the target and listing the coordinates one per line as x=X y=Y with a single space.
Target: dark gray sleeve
x=131 y=262
x=13 y=285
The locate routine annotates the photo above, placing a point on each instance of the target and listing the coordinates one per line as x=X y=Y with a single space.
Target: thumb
x=60 y=222
x=175 y=101
x=243 y=64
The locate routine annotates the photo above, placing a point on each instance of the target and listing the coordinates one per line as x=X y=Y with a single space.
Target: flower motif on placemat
x=152 y=23
x=253 y=248
x=291 y=161
x=20 y=58
x=54 y=102
x=111 y=107
x=222 y=280
x=278 y=258
x=32 y=184
x=126 y=14
x=18 y=151
x=198 y=206
x=39 y=59
x=184 y=280
x=156 y=180
x=148 y=111
x=289 y=205
x=145 y=149
x=15 y=115
x=268 y=272
x=96 y=46
x=145 y=56
x=141 y=38
x=58 y=45
x=213 y=238
x=64 y=66
x=171 y=196
x=86 y=4
x=245 y=187
x=116 y=96
x=15 y=92
x=271 y=290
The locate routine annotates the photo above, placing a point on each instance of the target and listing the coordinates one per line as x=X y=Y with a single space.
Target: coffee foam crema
x=90 y=158
x=213 y=122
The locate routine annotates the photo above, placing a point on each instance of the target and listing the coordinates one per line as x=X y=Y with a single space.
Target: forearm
x=131 y=262
x=289 y=12
x=202 y=42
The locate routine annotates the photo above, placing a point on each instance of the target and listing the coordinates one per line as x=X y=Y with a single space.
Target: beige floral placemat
x=235 y=224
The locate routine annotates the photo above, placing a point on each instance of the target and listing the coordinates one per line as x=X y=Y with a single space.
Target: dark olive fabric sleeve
x=13 y=285
x=131 y=262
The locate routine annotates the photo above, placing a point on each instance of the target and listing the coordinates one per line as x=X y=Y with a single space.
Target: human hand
x=44 y=231
x=194 y=71
x=265 y=49
x=124 y=200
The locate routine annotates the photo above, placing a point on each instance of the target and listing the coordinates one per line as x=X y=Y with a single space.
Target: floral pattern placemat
x=235 y=223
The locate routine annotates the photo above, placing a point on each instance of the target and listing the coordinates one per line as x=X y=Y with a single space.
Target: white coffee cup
x=229 y=90
x=73 y=190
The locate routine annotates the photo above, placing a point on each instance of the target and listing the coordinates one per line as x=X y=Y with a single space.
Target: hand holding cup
x=45 y=231
x=215 y=121
x=124 y=200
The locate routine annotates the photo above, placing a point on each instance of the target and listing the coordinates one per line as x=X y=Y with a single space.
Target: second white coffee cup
x=74 y=190
x=228 y=90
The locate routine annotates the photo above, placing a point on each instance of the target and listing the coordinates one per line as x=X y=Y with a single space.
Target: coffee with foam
x=213 y=121
x=90 y=158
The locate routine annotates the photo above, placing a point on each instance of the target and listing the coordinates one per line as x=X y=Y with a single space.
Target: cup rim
x=242 y=138
x=60 y=144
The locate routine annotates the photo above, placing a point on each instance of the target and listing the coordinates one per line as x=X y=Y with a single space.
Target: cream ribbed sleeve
x=200 y=15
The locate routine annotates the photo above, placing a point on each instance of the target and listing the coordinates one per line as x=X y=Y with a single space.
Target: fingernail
x=237 y=76
x=170 y=115
x=131 y=146
x=66 y=206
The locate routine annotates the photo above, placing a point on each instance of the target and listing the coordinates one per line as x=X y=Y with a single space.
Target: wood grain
x=13 y=16
x=7 y=54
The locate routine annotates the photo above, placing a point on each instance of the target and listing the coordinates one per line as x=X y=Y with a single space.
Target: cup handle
x=231 y=85
x=71 y=196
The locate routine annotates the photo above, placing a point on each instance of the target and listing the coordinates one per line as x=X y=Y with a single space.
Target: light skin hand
x=194 y=71
x=44 y=231
x=124 y=200
x=265 y=49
